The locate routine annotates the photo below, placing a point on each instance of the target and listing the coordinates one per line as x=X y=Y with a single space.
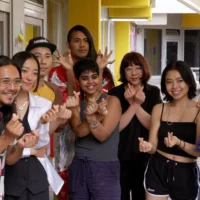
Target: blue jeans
x=94 y=180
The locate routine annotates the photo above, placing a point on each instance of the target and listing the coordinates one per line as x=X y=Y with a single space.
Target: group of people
x=125 y=142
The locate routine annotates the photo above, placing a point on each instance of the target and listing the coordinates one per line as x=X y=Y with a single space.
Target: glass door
x=4 y=34
x=33 y=28
x=172 y=51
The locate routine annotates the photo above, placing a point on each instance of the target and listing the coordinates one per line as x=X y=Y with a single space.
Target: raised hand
x=144 y=146
x=129 y=93
x=73 y=101
x=91 y=106
x=102 y=59
x=29 y=140
x=39 y=152
x=171 y=140
x=139 y=97
x=50 y=115
x=64 y=113
x=66 y=60
x=102 y=107
x=14 y=127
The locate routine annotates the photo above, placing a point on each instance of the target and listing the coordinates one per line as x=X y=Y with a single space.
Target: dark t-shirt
x=129 y=144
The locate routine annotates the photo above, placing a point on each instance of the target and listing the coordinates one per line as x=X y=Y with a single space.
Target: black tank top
x=185 y=131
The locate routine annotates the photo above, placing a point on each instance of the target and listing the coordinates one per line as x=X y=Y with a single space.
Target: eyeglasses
x=131 y=69
x=5 y=82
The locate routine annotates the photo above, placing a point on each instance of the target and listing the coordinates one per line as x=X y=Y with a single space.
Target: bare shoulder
x=112 y=99
x=159 y=107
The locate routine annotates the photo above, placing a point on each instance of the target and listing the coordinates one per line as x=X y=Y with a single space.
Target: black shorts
x=165 y=177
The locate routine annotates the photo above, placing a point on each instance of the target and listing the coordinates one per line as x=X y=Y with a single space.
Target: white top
x=37 y=107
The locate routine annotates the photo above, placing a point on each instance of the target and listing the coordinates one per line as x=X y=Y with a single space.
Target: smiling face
x=9 y=84
x=44 y=57
x=89 y=82
x=78 y=45
x=133 y=75
x=29 y=74
x=176 y=87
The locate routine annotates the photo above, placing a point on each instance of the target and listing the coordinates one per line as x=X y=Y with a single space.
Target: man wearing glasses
x=10 y=82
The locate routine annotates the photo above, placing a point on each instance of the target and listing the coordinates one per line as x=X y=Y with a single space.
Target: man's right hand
x=14 y=128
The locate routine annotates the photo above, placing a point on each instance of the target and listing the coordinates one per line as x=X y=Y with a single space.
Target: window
x=152 y=49
x=192 y=50
x=40 y=2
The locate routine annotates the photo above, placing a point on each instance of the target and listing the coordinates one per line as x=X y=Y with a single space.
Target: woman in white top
x=26 y=177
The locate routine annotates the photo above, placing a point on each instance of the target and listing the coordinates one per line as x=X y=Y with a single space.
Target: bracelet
x=183 y=145
x=180 y=145
x=93 y=124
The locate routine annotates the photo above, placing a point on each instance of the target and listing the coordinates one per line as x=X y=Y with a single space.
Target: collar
x=35 y=101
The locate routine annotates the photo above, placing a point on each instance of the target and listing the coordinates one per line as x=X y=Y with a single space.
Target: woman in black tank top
x=175 y=128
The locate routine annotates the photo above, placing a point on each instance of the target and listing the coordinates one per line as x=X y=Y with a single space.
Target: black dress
x=26 y=179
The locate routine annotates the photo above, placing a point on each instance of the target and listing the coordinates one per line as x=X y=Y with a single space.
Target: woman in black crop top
x=175 y=128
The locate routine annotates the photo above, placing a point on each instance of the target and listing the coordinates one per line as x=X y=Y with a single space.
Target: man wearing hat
x=43 y=50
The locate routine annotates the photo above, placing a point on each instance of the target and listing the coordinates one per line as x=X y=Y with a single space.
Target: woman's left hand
x=91 y=107
x=29 y=140
x=50 y=115
x=64 y=113
x=102 y=107
x=171 y=140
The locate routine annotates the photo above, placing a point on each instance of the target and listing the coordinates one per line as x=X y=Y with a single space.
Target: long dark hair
x=92 y=52
x=21 y=57
x=6 y=111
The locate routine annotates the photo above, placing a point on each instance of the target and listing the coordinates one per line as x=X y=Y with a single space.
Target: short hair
x=186 y=74
x=5 y=60
x=85 y=64
x=21 y=57
x=136 y=59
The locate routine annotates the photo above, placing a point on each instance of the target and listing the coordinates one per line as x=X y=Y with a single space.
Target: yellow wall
x=29 y=32
x=122 y=45
x=86 y=13
x=190 y=20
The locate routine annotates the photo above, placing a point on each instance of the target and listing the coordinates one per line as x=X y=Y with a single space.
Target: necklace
x=170 y=123
x=95 y=99
x=22 y=106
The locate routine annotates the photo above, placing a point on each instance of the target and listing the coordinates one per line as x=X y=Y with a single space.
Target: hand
x=73 y=101
x=91 y=107
x=102 y=107
x=129 y=93
x=29 y=140
x=64 y=113
x=66 y=60
x=171 y=140
x=139 y=97
x=39 y=152
x=14 y=127
x=50 y=115
x=102 y=60
x=198 y=103
x=144 y=146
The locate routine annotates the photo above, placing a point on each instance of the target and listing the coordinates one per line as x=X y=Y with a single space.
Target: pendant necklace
x=95 y=99
x=22 y=106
